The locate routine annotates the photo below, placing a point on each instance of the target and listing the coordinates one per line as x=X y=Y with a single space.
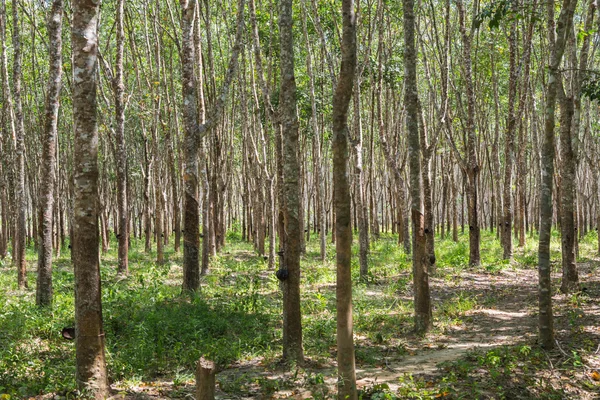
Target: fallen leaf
x=595 y=375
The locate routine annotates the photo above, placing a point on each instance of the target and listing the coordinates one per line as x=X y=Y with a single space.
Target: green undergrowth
x=153 y=332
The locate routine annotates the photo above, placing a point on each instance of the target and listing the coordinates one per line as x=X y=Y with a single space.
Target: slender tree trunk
x=318 y=168
x=89 y=338
x=207 y=232
x=191 y=238
x=403 y=228
x=341 y=188
x=121 y=149
x=570 y=279
x=48 y=181
x=472 y=164
x=454 y=207
x=598 y=213
x=146 y=207
x=158 y=193
x=4 y=216
x=292 y=318
x=496 y=174
x=557 y=47
x=20 y=198
x=569 y=137
x=522 y=114
x=194 y=131
x=361 y=208
x=7 y=125
x=422 y=302
x=174 y=189
x=511 y=123
x=427 y=152
x=444 y=212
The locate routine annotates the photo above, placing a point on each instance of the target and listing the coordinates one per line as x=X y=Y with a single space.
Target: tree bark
x=403 y=223
x=121 y=149
x=48 y=180
x=191 y=140
x=509 y=146
x=7 y=126
x=341 y=187
x=205 y=379
x=570 y=278
x=195 y=131
x=20 y=199
x=422 y=302
x=471 y=165
x=318 y=168
x=89 y=342
x=570 y=105
x=361 y=208
x=292 y=318
x=557 y=48
x=521 y=114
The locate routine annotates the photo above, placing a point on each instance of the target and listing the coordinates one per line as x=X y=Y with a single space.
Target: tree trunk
x=472 y=165
x=522 y=114
x=318 y=168
x=207 y=232
x=205 y=379
x=121 y=149
x=146 y=207
x=9 y=127
x=158 y=193
x=44 y=281
x=191 y=220
x=570 y=279
x=4 y=216
x=341 y=190
x=194 y=131
x=427 y=152
x=557 y=48
x=569 y=138
x=403 y=224
x=422 y=302
x=89 y=340
x=506 y=231
x=361 y=208
x=20 y=198
x=292 y=318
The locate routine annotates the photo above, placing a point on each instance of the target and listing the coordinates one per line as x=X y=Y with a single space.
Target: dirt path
x=505 y=317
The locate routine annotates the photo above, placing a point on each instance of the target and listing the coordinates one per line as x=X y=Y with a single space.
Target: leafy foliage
x=494 y=12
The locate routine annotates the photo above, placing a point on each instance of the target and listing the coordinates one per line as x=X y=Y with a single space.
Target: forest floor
x=483 y=344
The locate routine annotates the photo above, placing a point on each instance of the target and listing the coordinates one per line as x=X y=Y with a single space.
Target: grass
x=153 y=332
